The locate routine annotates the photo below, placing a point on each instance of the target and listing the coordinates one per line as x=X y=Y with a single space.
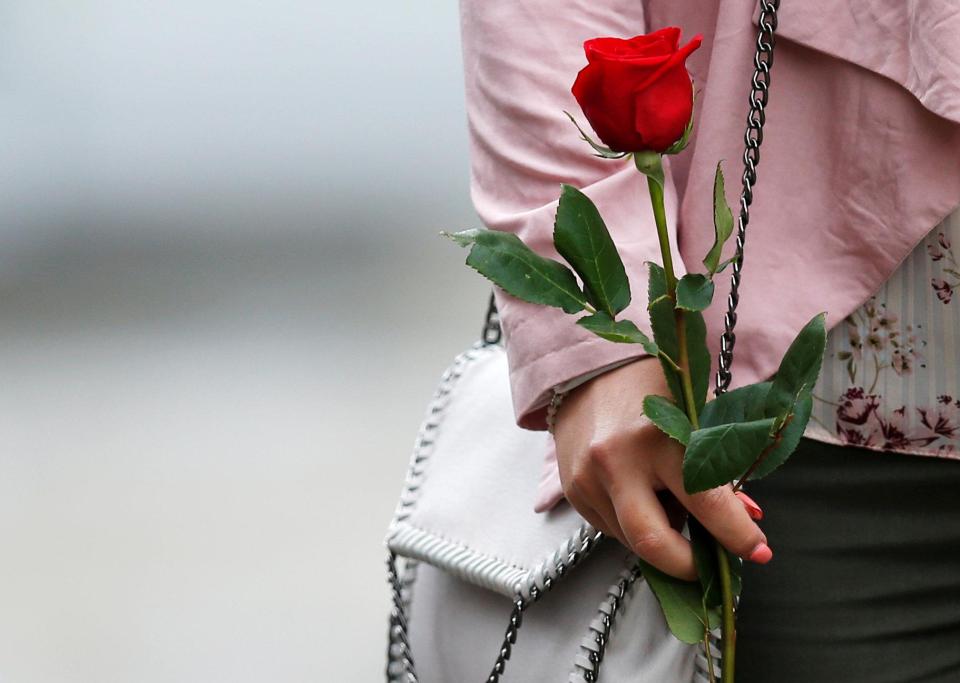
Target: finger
x=598 y=522
x=723 y=515
x=676 y=513
x=754 y=510
x=587 y=511
x=647 y=529
x=604 y=508
x=600 y=510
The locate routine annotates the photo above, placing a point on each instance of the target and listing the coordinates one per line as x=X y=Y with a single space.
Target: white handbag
x=466 y=526
x=466 y=543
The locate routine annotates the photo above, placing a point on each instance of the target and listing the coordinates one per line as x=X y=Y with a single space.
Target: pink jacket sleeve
x=859 y=160
x=520 y=60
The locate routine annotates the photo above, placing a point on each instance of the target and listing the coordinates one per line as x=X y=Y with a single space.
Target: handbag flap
x=467 y=504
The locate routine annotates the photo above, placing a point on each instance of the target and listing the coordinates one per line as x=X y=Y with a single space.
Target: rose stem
x=728 y=627
x=660 y=215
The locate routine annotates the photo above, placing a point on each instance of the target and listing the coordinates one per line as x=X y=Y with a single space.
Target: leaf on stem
x=739 y=405
x=665 y=337
x=699 y=357
x=620 y=331
x=682 y=605
x=799 y=368
x=694 y=292
x=722 y=223
x=582 y=238
x=668 y=417
x=789 y=436
x=786 y=401
x=749 y=403
x=664 y=323
x=705 y=558
x=510 y=264
x=656 y=282
x=716 y=455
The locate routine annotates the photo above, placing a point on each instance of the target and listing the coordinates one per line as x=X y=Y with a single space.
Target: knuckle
x=579 y=480
x=645 y=430
x=602 y=455
x=649 y=543
x=713 y=501
x=570 y=490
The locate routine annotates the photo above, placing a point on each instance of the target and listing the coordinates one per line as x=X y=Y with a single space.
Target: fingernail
x=761 y=554
x=754 y=510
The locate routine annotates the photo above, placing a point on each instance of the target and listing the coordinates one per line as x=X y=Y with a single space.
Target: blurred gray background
x=223 y=308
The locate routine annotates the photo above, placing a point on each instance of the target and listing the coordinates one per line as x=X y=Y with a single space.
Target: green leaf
x=705 y=558
x=668 y=417
x=582 y=238
x=723 y=266
x=514 y=267
x=722 y=223
x=699 y=357
x=650 y=164
x=789 y=436
x=601 y=151
x=660 y=308
x=749 y=403
x=694 y=292
x=739 y=405
x=656 y=282
x=620 y=331
x=717 y=455
x=664 y=326
x=799 y=368
x=682 y=605
x=665 y=337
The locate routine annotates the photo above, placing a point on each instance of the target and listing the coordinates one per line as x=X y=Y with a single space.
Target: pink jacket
x=861 y=158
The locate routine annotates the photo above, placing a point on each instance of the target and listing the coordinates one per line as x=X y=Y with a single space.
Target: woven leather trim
x=467 y=563
x=459 y=560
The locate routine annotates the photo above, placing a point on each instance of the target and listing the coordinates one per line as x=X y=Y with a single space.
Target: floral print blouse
x=891 y=376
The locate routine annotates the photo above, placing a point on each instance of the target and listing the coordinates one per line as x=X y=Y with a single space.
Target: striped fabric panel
x=891 y=376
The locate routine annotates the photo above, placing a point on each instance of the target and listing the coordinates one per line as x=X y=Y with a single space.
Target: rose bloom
x=637 y=93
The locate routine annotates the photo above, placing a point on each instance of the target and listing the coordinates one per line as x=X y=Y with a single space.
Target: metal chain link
x=752 y=138
x=606 y=623
x=400 y=664
x=520 y=604
x=492 y=331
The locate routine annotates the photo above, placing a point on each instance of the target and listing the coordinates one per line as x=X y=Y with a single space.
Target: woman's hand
x=623 y=475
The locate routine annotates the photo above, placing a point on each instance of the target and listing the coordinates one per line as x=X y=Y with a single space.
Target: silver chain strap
x=492 y=332
x=602 y=636
x=400 y=664
x=752 y=139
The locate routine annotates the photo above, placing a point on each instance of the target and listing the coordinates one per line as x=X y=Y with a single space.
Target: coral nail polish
x=761 y=554
x=754 y=510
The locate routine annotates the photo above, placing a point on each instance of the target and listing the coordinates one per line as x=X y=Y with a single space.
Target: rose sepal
x=602 y=151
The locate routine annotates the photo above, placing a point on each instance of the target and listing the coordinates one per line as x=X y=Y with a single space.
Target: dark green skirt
x=864 y=584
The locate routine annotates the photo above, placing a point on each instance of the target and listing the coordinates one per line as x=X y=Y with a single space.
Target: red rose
x=636 y=93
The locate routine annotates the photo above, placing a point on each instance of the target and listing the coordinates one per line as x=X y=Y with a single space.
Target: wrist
x=638 y=376
x=553 y=408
